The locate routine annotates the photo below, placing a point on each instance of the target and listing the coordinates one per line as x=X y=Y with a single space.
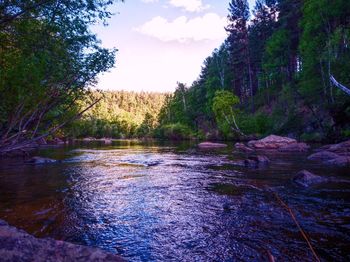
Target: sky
x=160 y=42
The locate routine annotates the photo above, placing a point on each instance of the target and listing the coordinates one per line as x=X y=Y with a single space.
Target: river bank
x=17 y=245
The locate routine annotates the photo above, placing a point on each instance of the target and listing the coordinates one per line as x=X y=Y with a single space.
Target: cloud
x=189 y=5
x=207 y=27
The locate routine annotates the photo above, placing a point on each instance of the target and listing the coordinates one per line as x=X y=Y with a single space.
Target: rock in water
x=271 y=142
x=242 y=147
x=305 y=178
x=17 y=245
x=339 y=161
x=323 y=155
x=341 y=148
x=256 y=161
x=211 y=145
x=37 y=160
x=295 y=147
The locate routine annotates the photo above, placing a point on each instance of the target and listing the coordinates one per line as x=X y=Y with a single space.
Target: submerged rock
x=17 y=245
x=211 y=145
x=37 y=160
x=305 y=178
x=256 y=161
x=330 y=158
x=271 y=142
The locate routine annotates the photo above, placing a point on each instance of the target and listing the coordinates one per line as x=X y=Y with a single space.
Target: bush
x=175 y=131
x=255 y=124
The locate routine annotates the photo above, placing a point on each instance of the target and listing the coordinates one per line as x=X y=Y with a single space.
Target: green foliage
x=225 y=114
x=48 y=60
x=175 y=131
x=278 y=65
x=119 y=114
x=259 y=124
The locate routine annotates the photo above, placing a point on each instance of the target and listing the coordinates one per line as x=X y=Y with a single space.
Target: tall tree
x=239 y=48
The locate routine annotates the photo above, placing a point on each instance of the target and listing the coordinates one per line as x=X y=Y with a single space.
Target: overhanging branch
x=340 y=86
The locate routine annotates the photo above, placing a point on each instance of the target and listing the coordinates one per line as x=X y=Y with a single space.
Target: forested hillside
x=283 y=69
x=120 y=114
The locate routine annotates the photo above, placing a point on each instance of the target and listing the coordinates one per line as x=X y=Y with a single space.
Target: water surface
x=173 y=202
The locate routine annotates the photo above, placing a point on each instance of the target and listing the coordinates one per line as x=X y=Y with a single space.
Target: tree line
x=119 y=114
x=274 y=73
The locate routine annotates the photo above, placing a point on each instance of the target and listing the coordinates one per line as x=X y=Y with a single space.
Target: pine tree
x=238 y=41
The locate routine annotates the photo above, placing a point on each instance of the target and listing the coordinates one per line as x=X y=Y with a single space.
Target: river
x=173 y=202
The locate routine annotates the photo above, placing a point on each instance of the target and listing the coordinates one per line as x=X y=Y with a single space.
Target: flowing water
x=168 y=202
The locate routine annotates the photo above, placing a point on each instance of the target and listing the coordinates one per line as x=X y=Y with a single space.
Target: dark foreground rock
x=37 y=160
x=17 y=245
x=211 y=145
x=305 y=178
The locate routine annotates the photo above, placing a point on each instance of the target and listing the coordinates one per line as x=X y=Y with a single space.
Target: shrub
x=175 y=131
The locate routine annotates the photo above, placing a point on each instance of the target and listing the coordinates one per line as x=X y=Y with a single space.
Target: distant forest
x=119 y=114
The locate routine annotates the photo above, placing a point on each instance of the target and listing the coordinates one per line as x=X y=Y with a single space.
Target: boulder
x=211 y=145
x=305 y=178
x=37 y=160
x=340 y=148
x=242 y=147
x=17 y=245
x=271 y=142
x=295 y=147
x=338 y=161
x=323 y=155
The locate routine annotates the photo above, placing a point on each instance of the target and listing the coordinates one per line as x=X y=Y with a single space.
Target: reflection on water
x=153 y=202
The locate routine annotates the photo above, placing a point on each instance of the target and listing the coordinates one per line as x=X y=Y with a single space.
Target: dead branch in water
x=303 y=233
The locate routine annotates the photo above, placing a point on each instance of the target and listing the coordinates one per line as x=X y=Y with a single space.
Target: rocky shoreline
x=17 y=245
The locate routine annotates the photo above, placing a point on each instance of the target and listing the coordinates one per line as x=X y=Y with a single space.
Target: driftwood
x=340 y=86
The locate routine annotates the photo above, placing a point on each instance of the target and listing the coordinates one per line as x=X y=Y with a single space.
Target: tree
x=48 y=59
x=223 y=104
x=239 y=48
